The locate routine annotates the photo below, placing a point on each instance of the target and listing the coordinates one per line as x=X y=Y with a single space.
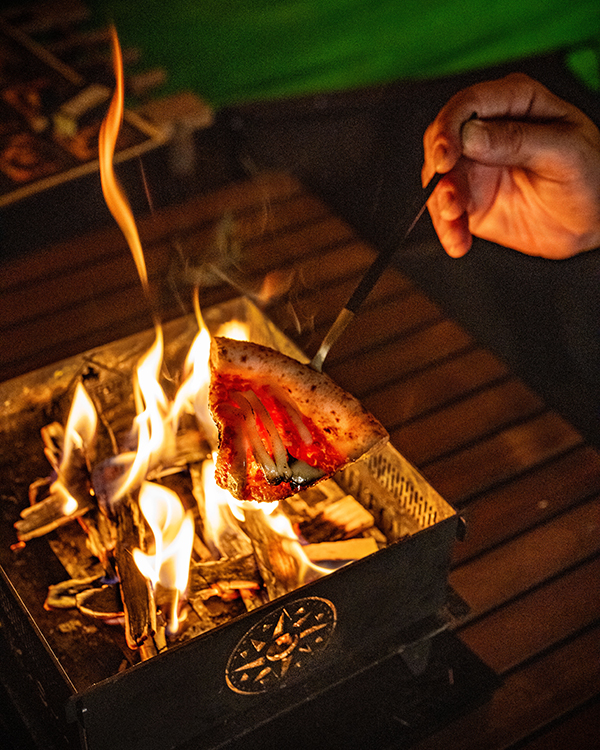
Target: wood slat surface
x=522 y=477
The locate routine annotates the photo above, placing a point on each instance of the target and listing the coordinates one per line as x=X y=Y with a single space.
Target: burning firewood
x=101 y=537
x=69 y=488
x=223 y=535
x=227 y=578
x=345 y=550
x=281 y=560
x=341 y=519
x=206 y=574
x=136 y=591
x=46 y=515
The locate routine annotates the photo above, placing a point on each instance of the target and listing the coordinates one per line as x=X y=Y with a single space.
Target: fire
x=79 y=435
x=234 y=329
x=193 y=392
x=282 y=526
x=222 y=532
x=115 y=198
x=167 y=564
x=154 y=440
x=173 y=530
x=81 y=424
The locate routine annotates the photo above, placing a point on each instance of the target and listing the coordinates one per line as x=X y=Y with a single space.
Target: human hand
x=521 y=168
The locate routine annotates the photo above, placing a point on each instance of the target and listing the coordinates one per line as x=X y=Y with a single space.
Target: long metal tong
x=370 y=278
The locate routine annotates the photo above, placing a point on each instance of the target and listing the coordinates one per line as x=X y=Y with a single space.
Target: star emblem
x=280 y=645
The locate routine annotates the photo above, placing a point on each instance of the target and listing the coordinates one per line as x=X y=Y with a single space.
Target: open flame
x=115 y=198
x=306 y=570
x=234 y=329
x=192 y=395
x=166 y=562
x=79 y=435
x=173 y=530
x=222 y=532
x=154 y=440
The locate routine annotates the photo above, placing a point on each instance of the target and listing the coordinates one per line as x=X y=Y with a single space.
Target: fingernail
x=475 y=137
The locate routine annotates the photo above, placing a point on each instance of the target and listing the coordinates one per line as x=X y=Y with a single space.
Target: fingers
x=448 y=210
x=515 y=97
x=557 y=151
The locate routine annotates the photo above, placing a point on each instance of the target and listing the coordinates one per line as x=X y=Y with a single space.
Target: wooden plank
x=528 y=560
x=528 y=500
x=268 y=252
x=431 y=341
x=462 y=422
x=76 y=329
x=101 y=298
x=576 y=731
x=501 y=457
x=378 y=324
x=529 y=698
x=264 y=199
x=427 y=390
x=529 y=625
x=59 y=276
x=48 y=320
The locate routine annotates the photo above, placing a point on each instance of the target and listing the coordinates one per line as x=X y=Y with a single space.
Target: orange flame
x=115 y=198
x=192 y=394
x=154 y=440
x=151 y=403
x=173 y=530
x=234 y=329
x=79 y=433
x=219 y=513
x=281 y=525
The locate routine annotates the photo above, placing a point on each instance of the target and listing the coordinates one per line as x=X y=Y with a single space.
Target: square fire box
x=218 y=685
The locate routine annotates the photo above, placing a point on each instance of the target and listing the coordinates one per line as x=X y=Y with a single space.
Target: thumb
x=510 y=143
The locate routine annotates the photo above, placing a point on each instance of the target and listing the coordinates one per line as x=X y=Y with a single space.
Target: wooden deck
x=526 y=483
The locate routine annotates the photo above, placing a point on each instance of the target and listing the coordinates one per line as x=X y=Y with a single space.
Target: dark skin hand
x=521 y=168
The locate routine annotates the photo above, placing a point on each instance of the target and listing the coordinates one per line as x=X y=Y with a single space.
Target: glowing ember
x=173 y=530
x=70 y=505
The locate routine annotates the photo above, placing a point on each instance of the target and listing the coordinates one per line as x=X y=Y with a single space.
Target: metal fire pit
x=213 y=688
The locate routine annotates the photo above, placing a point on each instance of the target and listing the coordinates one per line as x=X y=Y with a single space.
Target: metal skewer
x=369 y=280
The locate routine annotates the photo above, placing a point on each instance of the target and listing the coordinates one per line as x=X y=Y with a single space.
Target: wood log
x=279 y=558
x=136 y=591
x=101 y=536
x=232 y=542
x=345 y=550
x=71 y=482
x=205 y=575
x=341 y=519
x=41 y=518
x=204 y=616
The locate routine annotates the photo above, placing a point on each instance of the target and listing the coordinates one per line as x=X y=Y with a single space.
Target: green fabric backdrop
x=230 y=51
